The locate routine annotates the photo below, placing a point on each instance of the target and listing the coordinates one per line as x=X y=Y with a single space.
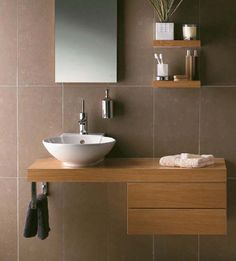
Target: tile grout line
x=153 y=122
x=198 y=247
x=108 y=227
x=153 y=96
x=199 y=121
x=9 y=86
x=199 y=117
x=63 y=194
x=109 y=222
x=200 y=92
x=46 y=85
x=154 y=129
x=33 y=86
x=17 y=132
x=62 y=107
x=153 y=247
x=219 y=86
x=93 y=85
x=63 y=218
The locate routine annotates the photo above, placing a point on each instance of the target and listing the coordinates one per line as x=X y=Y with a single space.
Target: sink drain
x=82 y=141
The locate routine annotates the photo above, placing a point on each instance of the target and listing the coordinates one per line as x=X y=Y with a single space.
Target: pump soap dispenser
x=107 y=106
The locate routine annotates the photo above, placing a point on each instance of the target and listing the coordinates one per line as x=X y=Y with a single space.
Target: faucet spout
x=83 y=120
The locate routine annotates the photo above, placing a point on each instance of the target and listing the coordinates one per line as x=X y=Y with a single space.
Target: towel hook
x=45 y=188
x=34 y=193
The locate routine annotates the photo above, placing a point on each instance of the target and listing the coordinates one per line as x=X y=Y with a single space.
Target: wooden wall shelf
x=172 y=84
x=123 y=170
x=177 y=44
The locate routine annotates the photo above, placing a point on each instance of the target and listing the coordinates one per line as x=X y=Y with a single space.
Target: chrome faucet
x=83 y=120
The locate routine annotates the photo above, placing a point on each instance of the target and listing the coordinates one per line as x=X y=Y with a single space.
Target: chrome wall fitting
x=33 y=203
x=107 y=106
x=83 y=120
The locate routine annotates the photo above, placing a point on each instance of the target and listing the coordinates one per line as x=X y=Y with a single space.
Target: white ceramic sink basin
x=77 y=150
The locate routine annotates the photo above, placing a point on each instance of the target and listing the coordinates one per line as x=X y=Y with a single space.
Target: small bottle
x=195 y=66
x=189 y=66
x=107 y=106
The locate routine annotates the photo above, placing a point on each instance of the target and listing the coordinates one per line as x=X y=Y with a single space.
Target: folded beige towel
x=189 y=156
x=187 y=160
x=170 y=161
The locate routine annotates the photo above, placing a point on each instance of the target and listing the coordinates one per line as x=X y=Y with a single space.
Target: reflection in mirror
x=86 y=41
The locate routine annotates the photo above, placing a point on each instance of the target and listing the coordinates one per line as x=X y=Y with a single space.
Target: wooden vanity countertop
x=124 y=170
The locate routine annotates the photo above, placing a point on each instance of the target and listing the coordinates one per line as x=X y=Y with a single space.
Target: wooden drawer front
x=177 y=195
x=177 y=221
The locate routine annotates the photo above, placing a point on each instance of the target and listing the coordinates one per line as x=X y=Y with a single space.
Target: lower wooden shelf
x=179 y=84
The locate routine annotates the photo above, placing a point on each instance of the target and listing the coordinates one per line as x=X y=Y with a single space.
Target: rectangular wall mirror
x=86 y=41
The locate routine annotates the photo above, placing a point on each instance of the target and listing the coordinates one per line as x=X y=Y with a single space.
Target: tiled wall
x=88 y=221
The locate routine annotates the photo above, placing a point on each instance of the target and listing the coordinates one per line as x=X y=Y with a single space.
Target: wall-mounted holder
x=107 y=106
x=34 y=193
x=162 y=72
x=160 y=82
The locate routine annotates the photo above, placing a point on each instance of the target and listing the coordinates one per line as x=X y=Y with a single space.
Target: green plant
x=165 y=8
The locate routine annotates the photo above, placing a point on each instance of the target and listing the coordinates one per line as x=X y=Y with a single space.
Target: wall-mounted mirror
x=86 y=41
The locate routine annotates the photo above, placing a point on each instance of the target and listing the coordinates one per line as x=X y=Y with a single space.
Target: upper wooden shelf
x=177 y=84
x=177 y=43
x=124 y=170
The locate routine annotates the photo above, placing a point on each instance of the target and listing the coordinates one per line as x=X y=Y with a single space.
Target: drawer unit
x=176 y=195
x=177 y=221
x=177 y=208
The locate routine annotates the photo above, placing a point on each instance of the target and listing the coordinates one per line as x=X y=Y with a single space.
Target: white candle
x=189 y=32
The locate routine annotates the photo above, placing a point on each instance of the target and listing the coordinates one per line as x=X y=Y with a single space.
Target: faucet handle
x=83 y=117
x=83 y=123
x=83 y=105
x=83 y=120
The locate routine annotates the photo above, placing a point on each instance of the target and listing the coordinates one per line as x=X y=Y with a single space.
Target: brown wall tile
x=132 y=107
x=8 y=219
x=85 y=222
x=217 y=133
x=135 y=18
x=72 y=107
x=222 y=248
x=218 y=36
x=176 y=121
x=40 y=116
x=122 y=246
x=8 y=43
x=188 y=13
x=176 y=248
x=36 y=42
x=8 y=130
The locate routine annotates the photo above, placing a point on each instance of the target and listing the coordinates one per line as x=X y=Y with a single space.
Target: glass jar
x=189 y=31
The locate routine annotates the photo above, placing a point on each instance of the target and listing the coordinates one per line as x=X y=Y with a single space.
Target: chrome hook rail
x=34 y=193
